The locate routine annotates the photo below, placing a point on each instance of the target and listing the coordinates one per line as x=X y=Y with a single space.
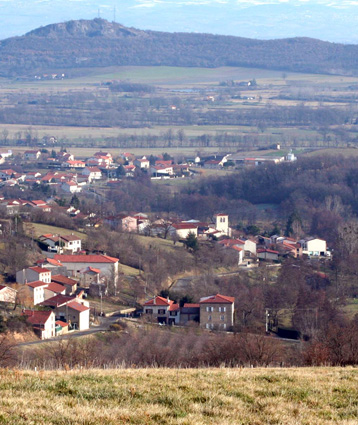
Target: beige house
x=217 y=312
x=43 y=322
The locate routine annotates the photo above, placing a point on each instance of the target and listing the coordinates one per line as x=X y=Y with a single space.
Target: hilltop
x=320 y=396
x=99 y=43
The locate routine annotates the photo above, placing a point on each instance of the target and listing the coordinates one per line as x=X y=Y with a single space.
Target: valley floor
x=171 y=396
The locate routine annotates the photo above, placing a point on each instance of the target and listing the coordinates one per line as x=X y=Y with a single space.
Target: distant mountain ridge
x=99 y=43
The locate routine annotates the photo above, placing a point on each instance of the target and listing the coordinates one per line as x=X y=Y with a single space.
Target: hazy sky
x=324 y=19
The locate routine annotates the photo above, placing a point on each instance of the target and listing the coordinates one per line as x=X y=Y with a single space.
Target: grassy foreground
x=192 y=397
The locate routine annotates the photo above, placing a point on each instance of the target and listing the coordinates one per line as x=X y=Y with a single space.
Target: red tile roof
x=36 y=317
x=36 y=284
x=77 y=306
x=56 y=287
x=58 y=278
x=217 y=299
x=58 y=301
x=39 y=269
x=190 y=305
x=180 y=226
x=159 y=301
x=85 y=259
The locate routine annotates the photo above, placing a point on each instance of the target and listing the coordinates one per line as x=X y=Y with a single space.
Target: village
x=53 y=291
x=62 y=172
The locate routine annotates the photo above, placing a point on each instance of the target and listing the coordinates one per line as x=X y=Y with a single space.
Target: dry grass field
x=38 y=229
x=319 y=396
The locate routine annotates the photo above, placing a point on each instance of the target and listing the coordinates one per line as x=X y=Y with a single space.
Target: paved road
x=104 y=326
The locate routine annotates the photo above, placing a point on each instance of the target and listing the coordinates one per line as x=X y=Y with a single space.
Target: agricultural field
x=316 y=396
x=83 y=111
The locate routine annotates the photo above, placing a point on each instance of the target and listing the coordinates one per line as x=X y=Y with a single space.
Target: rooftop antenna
x=99 y=13
x=114 y=14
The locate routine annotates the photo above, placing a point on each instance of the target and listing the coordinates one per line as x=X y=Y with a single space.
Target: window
x=209 y=317
x=208 y=309
x=161 y=311
x=148 y=311
x=224 y=326
x=222 y=317
x=222 y=309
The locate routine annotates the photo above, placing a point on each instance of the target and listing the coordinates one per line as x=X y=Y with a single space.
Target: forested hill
x=98 y=43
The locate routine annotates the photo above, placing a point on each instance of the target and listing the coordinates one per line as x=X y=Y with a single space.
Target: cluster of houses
x=71 y=175
x=176 y=229
x=57 y=285
x=214 y=312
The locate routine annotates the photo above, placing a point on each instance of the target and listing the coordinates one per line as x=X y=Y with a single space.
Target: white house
x=314 y=247
x=182 y=230
x=74 y=164
x=142 y=163
x=37 y=289
x=43 y=322
x=93 y=173
x=71 y=187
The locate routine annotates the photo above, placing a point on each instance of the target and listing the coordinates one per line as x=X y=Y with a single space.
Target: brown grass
x=319 y=396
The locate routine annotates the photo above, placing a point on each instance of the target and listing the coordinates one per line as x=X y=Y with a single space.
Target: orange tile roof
x=159 y=301
x=174 y=307
x=61 y=323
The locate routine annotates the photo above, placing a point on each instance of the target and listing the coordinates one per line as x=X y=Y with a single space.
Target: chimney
x=154 y=300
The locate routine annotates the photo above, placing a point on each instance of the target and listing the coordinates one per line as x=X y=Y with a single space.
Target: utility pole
x=267 y=315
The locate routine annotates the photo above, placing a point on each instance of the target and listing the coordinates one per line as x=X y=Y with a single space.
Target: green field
x=316 y=396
